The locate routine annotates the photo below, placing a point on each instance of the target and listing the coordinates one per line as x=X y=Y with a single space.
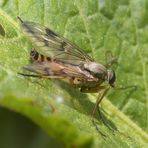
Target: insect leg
x=42 y=76
x=99 y=99
x=134 y=87
x=91 y=90
x=96 y=108
x=110 y=59
x=30 y=75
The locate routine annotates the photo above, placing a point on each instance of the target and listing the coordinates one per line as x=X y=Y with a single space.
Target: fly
x=58 y=58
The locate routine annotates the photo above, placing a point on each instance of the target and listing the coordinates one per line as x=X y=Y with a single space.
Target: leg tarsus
x=103 y=120
x=96 y=126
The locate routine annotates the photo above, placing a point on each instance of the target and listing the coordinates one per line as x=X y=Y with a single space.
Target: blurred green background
x=17 y=131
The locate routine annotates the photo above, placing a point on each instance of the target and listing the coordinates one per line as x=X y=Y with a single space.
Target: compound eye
x=111 y=77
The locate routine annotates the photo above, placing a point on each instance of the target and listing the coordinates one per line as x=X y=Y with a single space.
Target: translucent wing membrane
x=53 y=45
x=57 y=70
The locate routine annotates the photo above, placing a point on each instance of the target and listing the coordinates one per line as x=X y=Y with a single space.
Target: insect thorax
x=95 y=72
x=96 y=69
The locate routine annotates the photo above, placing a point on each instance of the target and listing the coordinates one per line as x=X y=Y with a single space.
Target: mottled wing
x=56 y=70
x=53 y=45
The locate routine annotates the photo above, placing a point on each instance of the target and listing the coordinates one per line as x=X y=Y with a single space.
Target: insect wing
x=53 y=70
x=53 y=45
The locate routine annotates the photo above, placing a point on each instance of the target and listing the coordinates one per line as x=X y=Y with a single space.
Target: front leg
x=91 y=89
x=102 y=92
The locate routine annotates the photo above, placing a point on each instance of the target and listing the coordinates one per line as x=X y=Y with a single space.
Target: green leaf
x=62 y=111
